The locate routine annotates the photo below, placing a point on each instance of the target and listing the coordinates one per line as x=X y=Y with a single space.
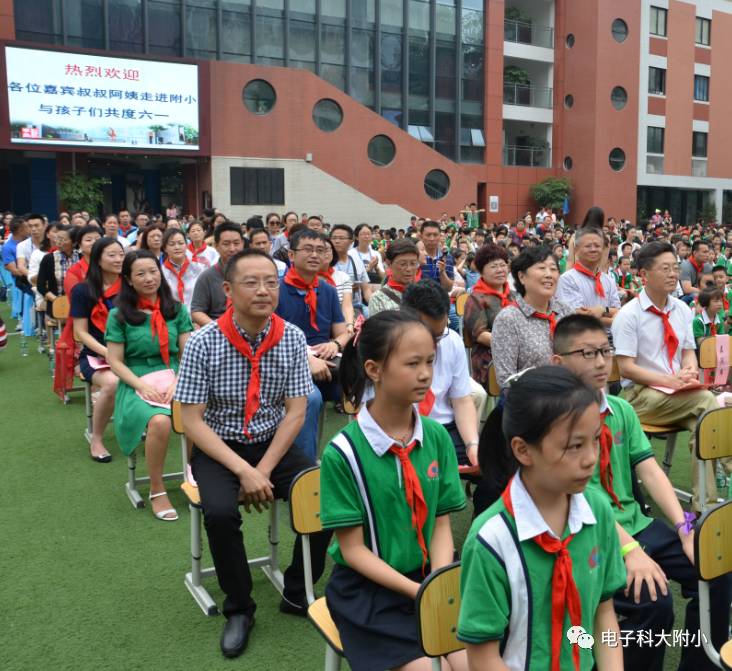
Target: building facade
x=381 y=108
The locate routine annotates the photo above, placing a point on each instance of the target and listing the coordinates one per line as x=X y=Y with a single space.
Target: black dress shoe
x=235 y=636
x=290 y=607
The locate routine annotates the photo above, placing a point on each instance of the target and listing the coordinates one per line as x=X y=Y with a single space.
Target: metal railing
x=528 y=33
x=530 y=157
x=527 y=95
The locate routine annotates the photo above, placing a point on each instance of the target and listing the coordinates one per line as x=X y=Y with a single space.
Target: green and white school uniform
x=702 y=325
x=506 y=585
x=362 y=484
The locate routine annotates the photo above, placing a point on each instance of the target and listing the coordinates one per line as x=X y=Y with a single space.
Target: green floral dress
x=142 y=356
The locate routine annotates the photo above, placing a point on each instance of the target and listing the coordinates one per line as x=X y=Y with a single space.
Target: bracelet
x=471 y=443
x=628 y=547
x=687 y=526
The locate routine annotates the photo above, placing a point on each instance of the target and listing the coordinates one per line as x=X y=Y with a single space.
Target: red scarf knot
x=100 y=311
x=551 y=317
x=294 y=279
x=327 y=275
x=599 y=290
x=231 y=332
x=196 y=251
x=413 y=494
x=606 y=469
x=427 y=403
x=698 y=267
x=670 y=340
x=158 y=326
x=178 y=275
x=482 y=287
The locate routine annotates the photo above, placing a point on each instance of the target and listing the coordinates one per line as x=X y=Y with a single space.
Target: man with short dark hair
x=351 y=263
x=259 y=238
x=243 y=427
x=439 y=264
x=402 y=259
x=126 y=227
x=18 y=233
x=692 y=269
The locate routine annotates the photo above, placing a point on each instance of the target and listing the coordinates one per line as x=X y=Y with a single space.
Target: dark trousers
x=219 y=490
x=662 y=544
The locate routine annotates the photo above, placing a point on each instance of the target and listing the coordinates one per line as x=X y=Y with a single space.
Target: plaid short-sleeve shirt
x=213 y=372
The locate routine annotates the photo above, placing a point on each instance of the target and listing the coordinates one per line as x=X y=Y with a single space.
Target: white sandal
x=162 y=514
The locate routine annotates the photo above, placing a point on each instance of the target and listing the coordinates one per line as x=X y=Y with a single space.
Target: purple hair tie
x=687 y=526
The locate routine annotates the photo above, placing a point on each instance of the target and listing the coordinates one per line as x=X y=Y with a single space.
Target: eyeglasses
x=251 y=284
x=404 y=265
x=667 y=269
x=502 y=265
x=310 y=251
x=591 y=353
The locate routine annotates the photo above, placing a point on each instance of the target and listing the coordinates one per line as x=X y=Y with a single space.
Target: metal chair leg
x=332 y=659
x=131 y=485
x=89 y=410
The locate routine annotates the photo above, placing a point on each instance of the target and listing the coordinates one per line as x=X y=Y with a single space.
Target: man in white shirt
x=585 y=287
x=450 y=400
x=655 y=348
x=260 y=238
x=111 y=230
x=24 y=251
x=341 y=236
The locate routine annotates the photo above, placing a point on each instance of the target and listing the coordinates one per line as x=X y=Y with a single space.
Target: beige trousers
x=682 y=409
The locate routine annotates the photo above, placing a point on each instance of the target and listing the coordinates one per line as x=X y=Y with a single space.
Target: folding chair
x=133 y=480
x=438 y=607
x=268 y=563
x=305 y=519
x=60 y=309
x=712 y=542
x=708 y=353
x=88 y=408
x=713 y=431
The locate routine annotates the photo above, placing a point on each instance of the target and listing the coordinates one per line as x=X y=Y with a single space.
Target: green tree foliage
x=551 y=192
x=79 y=192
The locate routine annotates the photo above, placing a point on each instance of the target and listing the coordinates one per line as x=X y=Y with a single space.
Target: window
x=568 y=162
x=570 y=41
x=257 y=186
x=381 y=150
x=657 y=81
x=421 y=133
x=654 y=144
x=658 y=21
x=619 y=97
x=569 y=101
x=327 y=115
x=703 y=31
x=701 y=88
x=699 y=145
x=617 y=159
x=259 y=97
x=436 y=184
x=620 y=30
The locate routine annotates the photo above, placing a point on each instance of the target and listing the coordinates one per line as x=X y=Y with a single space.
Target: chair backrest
x=176 y=417
x=438 y=607
x=708 y=352
x=713 y=431
x=305 y=502
x=60 y=308
x=494 y=389
x=460 y=302
x=712 y=542
x=615 y=372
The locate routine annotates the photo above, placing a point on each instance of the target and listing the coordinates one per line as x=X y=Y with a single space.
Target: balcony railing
x=526 y=95
x=528 y=33
x=529 y=157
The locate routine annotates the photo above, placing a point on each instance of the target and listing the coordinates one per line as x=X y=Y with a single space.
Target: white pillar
x=719 y=204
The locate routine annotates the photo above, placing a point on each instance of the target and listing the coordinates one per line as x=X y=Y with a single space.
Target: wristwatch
x=607 y=312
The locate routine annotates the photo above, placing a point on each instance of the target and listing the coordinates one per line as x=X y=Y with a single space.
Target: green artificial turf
x=89 y=583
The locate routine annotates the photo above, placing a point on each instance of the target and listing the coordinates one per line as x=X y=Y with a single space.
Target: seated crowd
x=254 y=328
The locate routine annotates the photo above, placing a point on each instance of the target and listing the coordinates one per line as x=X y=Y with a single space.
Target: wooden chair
x=460 y=302
x=305 y=518
x=494 y=389
x=708 y=353
x=60 y=310
x=712 y=442
x=133 y=480
x=438 y=607
x=712 y=541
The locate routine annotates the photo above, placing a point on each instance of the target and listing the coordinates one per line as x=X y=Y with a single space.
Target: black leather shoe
x=289 y=607
x=235 y=636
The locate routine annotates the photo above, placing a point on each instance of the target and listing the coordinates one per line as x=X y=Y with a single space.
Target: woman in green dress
x=146 y=333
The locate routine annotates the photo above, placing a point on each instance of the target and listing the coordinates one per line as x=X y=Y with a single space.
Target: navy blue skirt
x=378 y=627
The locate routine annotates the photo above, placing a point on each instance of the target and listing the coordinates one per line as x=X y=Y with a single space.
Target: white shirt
x=208 y=257
x=34 y=265
x=367 y=256
x=638 y=333
x=578 y=290
x=342 y=284
x=24 y=250
x=193 y=272
x=281 y=268
x=126 y=244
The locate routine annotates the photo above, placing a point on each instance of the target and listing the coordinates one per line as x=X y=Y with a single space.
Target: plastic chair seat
x=725 y=655
x=657 y=429
x=320 y=616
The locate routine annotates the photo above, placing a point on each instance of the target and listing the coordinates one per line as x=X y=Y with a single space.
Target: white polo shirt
x=638 y=333
x=193 y=272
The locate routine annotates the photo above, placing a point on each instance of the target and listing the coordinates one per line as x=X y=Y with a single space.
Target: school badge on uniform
x=594 y=558
x=433 y=470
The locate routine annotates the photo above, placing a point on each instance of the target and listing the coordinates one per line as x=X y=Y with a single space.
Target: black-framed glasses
x=592 y=352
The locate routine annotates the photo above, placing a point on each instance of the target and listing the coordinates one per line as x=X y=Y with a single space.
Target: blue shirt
x=431 y=271
x=9 y=251
x=292 y=308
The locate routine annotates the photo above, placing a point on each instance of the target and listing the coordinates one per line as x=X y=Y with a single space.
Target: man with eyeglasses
x=656 y=353
x=402 y=260
x=351 y=263
x=653 y=552
x=243 y=427
x=313 y=306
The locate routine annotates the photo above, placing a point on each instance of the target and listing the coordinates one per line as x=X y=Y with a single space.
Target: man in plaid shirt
x=243 y=385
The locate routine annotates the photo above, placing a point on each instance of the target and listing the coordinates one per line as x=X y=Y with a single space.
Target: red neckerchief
x=159 y=326
x=327 y=275
x=414 y=495
x=195 y=252
x=178 y=275
x=550 y=317
x=427 y=403
x=418 y=275
x=670 y=340
x=606 y=469
x=699 y=269
x=100 y=311
x=125 y=229
x=293 y=278
x=276 y=329
x=482 y=287
x=393 y=284
x=599 y=290
x=564 y=589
